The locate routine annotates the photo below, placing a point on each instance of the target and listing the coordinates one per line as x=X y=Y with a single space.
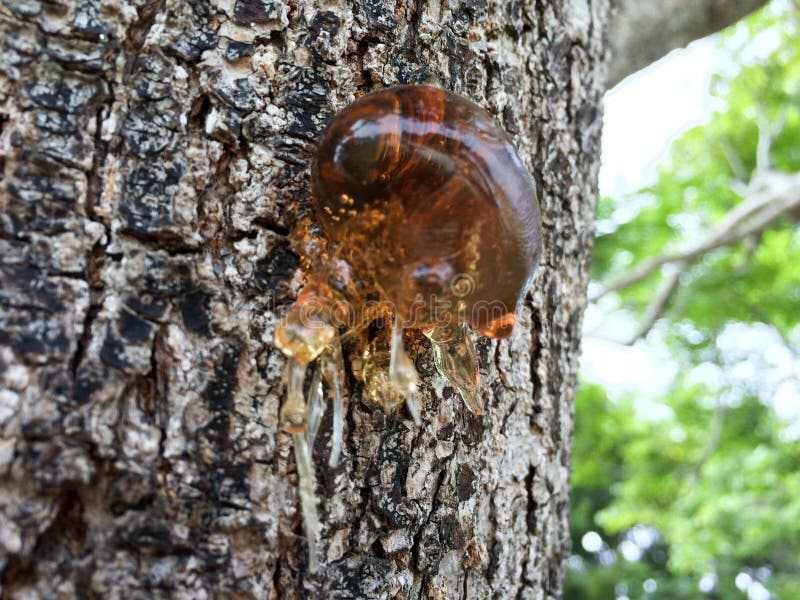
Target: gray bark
x=641 y=32
x=154 y=157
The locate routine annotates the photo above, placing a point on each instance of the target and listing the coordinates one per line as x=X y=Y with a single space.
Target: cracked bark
x=154 y=157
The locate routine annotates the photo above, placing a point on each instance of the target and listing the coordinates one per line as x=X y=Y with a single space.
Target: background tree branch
x=642 y=32
x=771 y=195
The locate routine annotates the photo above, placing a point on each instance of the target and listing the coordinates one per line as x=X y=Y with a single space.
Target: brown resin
x=429 y=220
x=418 y=189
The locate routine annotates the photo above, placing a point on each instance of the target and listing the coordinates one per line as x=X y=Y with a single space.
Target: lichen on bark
x=153 y=160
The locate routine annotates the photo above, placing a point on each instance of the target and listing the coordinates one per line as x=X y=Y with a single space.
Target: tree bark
x=640 y=32
x=154 y=161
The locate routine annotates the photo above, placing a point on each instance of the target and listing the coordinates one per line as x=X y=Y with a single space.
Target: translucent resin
x=424 y=217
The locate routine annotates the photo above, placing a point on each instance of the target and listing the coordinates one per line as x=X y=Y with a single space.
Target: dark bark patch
x=27 y=344
x=256 y=12
x=134 y=329
x=24 y=283
x=239 y=94
x=35 y=319
x=451 y=533
x=321 y=31
x=154 y=180
x=152 y=77
x=308 y=103
x=75 y=53
x=195 y=310
x=230 y=483
x=465 y=482
x=470 y=427
x=146 y=205
x=324 y=21
x=163 y=276
x=219 y=393
x=273 y=273
x=147 y=305
x=409 y=71
x=151 y=127
x=446 y=432
x=87 y=382
x=114 y=352
x=378 y=14
x=359 y=576
x=129 y=492
x=127 y=343
x=67 y=92
x=237 y=50
x=388 y=497
x=39 y=179
x=192 y=42
x=216 y=431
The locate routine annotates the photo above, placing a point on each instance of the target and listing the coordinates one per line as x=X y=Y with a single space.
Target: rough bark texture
x=154 y=158
x=640 y=32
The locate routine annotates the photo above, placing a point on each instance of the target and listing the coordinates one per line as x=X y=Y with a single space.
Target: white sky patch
x=630 y=551
x=707 y=583
x=645 y=368
x=592 y=542
x=649 y=109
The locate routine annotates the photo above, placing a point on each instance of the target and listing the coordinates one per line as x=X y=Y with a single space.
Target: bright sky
x=645 y=112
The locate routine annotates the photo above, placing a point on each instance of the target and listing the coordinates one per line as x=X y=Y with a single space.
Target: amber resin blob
x=429 y=220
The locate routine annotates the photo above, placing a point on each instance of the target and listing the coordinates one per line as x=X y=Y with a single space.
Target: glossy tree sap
x=429 y=220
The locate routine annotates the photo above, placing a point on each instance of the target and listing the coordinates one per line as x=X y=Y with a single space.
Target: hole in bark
x=17 y=574
x=86 y=335
x=3 y=121
x=530 y=512
x=200 y=109
x=67 y=533
x=377 y=549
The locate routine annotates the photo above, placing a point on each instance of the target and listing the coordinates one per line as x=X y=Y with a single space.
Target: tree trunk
x=154 y=159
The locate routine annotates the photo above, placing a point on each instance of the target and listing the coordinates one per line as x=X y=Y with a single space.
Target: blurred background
x=686 y=463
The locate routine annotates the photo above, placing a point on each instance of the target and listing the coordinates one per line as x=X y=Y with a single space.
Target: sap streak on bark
x=153 y=159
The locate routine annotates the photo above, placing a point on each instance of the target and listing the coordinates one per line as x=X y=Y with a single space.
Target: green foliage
x=697 y=186
x=715 y=480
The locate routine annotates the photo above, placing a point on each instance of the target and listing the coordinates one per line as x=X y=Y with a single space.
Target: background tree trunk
x=154 y=159
x=640 y=33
